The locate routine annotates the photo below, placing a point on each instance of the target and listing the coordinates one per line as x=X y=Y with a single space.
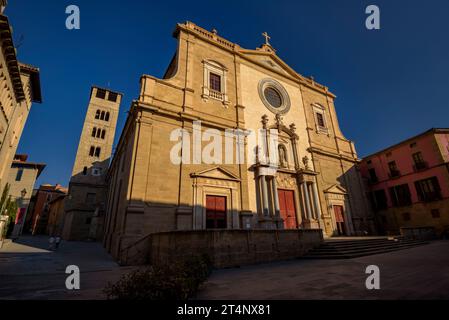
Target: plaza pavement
x=416 y=273
x=29 y=271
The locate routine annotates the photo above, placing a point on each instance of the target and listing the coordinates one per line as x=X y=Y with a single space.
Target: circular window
x=274 y=96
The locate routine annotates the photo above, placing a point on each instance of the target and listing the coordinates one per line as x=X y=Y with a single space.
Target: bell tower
x=85 y=203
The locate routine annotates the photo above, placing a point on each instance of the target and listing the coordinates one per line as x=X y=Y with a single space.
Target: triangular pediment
x=336 y=188
x=271 y=61
x=216 y=173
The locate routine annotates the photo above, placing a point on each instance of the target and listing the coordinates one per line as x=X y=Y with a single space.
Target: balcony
x=419 y=166
x=394 y=173
x=431 y=196
x=216 y=94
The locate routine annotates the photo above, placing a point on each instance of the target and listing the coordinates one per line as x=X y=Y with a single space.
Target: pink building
x=408 y=184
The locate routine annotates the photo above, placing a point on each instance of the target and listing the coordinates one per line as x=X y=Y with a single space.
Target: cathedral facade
x=309 y=180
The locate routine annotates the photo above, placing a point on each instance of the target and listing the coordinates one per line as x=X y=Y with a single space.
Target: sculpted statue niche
x=283 y=161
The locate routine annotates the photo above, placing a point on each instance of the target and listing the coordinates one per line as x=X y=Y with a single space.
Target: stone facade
x=87 y=189
x=22 y=177
x=309 y=178
x=20 y=87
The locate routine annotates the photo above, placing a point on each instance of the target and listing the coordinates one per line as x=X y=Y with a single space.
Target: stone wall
x=232 y=248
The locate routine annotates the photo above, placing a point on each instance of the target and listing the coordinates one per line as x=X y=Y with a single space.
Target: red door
x=215 y=212
x=340 y=220
x=287 y=208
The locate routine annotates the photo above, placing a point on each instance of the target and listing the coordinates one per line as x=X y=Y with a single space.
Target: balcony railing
x=216 y=94
x=431 y=196
x=394 y=173
x=418 y=166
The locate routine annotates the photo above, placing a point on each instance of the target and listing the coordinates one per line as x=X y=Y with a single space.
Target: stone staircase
x=359 y=247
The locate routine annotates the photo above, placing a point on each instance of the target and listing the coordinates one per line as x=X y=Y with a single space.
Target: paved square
x=417 y=273
x=29 y=271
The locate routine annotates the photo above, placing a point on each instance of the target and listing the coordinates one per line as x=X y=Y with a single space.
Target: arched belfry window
x=94 y=132
x=103 y=134
x=97 y=151
x=98 y=133
x=102 y=115
x=92 y=151
x=97 y=114
x=214 y=82
x=107 y=116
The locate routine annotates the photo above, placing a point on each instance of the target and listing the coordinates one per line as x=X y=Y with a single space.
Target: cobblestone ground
x=29 y=271
x=417 y=273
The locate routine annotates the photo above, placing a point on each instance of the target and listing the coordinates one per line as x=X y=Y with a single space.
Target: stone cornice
x=9 y=51
x=333 y=155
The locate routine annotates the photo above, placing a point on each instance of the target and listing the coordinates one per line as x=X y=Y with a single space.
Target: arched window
x=97 y=151
x=94 y=132
x=103 y=133
x=102 y=115
x=92 y=151
x=107 y=116
x=98 y=133
x=282 y=152
x=97 y=115
x=85 y=171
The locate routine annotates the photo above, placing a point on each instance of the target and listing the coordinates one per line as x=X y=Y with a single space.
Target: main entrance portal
x=287 y=208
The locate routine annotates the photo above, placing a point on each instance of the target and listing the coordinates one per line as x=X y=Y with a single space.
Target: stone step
x=362 y=245
x=345 y=242
x=360 y=249
x=356 y=255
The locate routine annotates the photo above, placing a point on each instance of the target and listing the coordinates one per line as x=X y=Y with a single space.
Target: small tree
x=4 y=198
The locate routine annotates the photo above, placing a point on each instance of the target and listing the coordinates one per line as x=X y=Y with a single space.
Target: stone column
x=263 y=182
x=316 y=201
x=312 y=204
x=306 y=200
x=277 y=210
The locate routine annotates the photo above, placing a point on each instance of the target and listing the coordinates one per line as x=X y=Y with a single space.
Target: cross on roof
x=267 y=37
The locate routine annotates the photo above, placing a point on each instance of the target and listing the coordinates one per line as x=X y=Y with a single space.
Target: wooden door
x=287 y=208
x=340 y=220
x=215 y=212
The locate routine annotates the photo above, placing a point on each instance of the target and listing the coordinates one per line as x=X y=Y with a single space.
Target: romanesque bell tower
x=84 y=206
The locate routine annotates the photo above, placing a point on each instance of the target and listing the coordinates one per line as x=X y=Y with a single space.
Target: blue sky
x=390 y=84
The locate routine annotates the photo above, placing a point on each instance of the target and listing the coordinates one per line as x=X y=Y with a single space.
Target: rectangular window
x=215 y=82
x=428 y=189
x=101 y=94
x=372 y=175
x=90 y=198
x=418 y=159
x=112 y=96
x=320 y=119
x=380 y=199
x=400 y=195
x=19 y=174
x=435 y=213
x=394 y=172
